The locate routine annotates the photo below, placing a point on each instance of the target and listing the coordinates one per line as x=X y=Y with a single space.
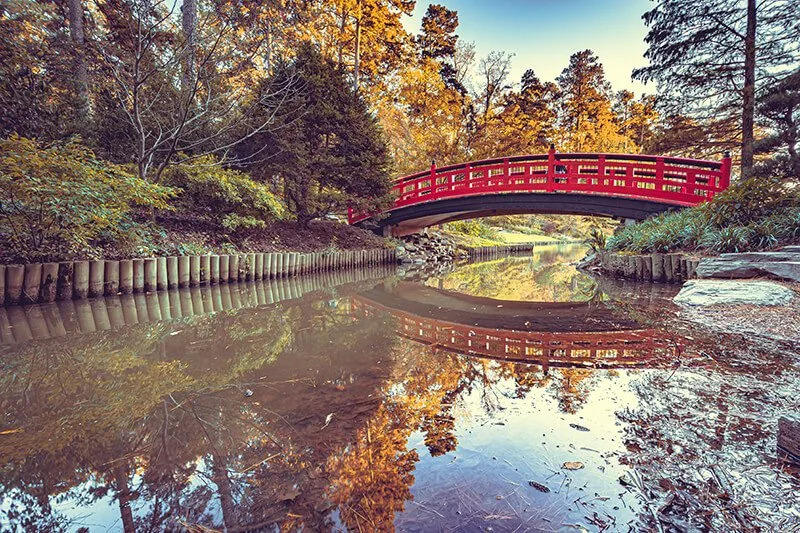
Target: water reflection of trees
x=545 y=276
x=158 y=418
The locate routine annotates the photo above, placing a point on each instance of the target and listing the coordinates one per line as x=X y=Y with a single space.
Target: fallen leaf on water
x=538 y=486
x=579 y=427
x=572 y=465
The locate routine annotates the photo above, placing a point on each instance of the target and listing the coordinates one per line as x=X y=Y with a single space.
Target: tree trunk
x=749 y=92
x=80 y=70
x=189 y=26
x=223 y=482
x=791 y=142
x=358 y=50
x=124 y=498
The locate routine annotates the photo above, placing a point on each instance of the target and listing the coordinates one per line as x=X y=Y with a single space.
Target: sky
x=544 y=33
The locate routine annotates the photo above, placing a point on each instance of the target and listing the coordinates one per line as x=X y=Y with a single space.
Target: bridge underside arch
x=413 y=218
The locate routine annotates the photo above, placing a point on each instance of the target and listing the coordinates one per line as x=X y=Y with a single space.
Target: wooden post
x=205 y=269
x=162 y=279
x=224 y=268
x=32 y=281
x=150 y=274
x=214 y=270
x=138 y=275
x=278 y=265
x=658 y=267
x=259 y=270
x=47 y=291
x=111 y=284
x=97 y=273
x=677 y=273
x=194 y=271
x=183 y=271
x=669 y=272
x=173 y=277
x=242 y=274
x=269 y=265
x=80 y=280
x=65 y=273
x=126 y=276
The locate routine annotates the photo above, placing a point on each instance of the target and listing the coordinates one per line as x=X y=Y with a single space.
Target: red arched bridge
x=614 y=185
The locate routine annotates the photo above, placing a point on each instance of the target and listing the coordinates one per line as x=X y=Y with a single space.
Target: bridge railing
x=670 y=180
x=614 y=349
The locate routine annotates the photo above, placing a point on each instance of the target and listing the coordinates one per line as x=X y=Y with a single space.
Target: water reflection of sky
x=137 y=414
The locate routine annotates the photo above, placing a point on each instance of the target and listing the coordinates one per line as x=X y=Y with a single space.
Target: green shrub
x=56 y=199
x=234 y=222
x=229 y=194
x=473 y=228
x=751 y=200
x=752 y=215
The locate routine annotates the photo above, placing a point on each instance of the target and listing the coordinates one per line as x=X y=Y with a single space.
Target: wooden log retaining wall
x=75 y=280
x=663 y=268
x=20 y=324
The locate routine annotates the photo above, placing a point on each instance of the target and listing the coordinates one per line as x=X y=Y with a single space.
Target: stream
x=517 y=394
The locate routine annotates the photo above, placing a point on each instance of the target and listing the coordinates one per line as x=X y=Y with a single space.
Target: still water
x=512 y=395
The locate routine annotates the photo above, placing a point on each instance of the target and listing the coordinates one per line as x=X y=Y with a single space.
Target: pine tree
x=780 y=108
x=325 y=148
x=586 y=116
x=709 y=58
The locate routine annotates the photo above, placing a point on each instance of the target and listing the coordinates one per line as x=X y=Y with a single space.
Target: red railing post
x=659 y=174
x=601 y=171
x=551 y=169
x=433 y=177
x=725 y=172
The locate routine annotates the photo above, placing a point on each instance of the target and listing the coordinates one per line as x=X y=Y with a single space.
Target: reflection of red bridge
x=597 y=349
x=618 y=185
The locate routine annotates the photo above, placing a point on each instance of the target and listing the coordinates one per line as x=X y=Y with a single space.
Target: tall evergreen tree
x=438 y=41
x=710 y=58
x=586 y=115
x=325 y=149
x=779 y=107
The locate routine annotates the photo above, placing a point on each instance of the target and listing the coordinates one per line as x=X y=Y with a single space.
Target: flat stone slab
x=703 y=292
x=742 y=269
x=758 y=257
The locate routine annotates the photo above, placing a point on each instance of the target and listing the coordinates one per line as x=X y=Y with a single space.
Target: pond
x=518 y=394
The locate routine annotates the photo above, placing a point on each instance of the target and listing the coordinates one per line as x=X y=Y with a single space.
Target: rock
x=760 y=257
x=789 y=270
x=747 y=268
x=702 y=292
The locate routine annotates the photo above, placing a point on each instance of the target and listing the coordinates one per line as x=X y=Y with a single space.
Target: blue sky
x=544 y=33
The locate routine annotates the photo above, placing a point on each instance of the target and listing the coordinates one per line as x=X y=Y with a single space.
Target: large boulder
x=703 y=292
